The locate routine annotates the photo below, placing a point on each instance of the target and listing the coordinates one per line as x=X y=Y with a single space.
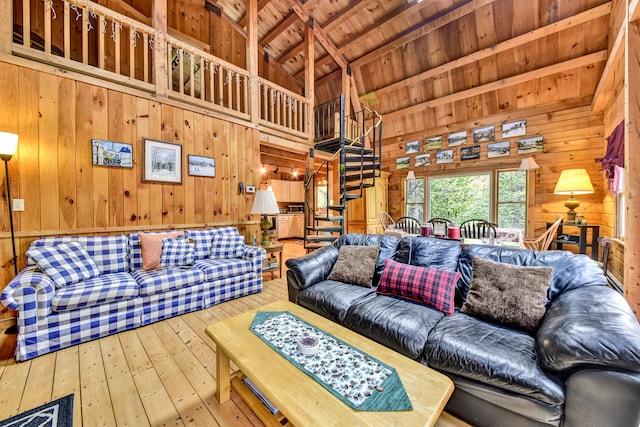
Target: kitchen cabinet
x=290 y=226
x=287 y=191
x=363 y=215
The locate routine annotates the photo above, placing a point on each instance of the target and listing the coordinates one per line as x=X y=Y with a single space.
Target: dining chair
x=386 y=220
x=477 y=229
x=409 y=225
x=542 y=242
x=439 y=221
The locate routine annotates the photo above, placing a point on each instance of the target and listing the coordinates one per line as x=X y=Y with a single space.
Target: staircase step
x=326 y=228
x=358 y=167
x=358 y=177
x=329 y=218
x=358 y=159
x=316 y=239
x=336 y=207
x=353 y=196
x=354 y=149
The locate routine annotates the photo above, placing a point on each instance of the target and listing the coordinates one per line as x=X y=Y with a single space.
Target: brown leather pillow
x=508 y=295
x=355 y=265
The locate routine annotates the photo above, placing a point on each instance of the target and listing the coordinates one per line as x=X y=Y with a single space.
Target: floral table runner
x=359 y=380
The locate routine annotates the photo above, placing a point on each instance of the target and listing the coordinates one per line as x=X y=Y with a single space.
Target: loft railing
x=86 y=37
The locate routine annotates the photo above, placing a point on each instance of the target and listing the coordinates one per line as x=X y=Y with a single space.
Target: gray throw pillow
x=355 y=265
x=508 y=295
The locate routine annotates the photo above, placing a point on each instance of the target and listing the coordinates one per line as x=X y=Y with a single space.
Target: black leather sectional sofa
x=581 y=368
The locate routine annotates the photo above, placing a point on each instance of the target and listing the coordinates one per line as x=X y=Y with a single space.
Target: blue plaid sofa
x=120 y=295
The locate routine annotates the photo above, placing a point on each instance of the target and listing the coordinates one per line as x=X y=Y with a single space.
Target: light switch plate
x=18 y=205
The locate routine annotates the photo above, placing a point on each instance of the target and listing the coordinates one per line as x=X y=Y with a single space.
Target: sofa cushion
x=332 y=299
x=135 y=249
x=396 y=323
x=103 y=289
x=227 y=246
x=509 y=295
x=355 y=265
x=151 y=247
x=203 y=239
x=430 y=286
x=491 y=354
x=108 y=252
x=429 y=252
x=65 y=263
x=388 y=246
x=166 y=279
x=215 y=269
x=176 y=253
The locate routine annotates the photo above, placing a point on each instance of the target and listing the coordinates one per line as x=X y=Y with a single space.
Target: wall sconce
x=8 y=145
x=528 y=164
x=411 y=175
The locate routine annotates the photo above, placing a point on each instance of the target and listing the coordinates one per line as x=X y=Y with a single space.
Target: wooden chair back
x=542 y=242
x=409 y=225
x=386 y=220
x=477 y=229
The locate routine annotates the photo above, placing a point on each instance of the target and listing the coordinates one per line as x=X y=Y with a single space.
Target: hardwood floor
x=162 y=374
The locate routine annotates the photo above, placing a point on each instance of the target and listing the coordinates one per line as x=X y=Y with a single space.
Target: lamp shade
x=8 y=145
x=265 y=203
x=574 y=181
x=411 y=175
x=528 y=163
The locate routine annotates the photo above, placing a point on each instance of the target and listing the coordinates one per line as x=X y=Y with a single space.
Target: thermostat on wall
x=250 y=189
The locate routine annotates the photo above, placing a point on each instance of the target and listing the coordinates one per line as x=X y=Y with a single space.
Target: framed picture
x=162 y=161
x=423 y=160
x=109 y=153
x=201 y=166
x=498 y=149
x=470 y=153
x=412 y=147
x=445 y=156
x=403 y=162
x=457 y=138
x=518 y=128
x=433 y=143
x=530 y=145
x=484 y=134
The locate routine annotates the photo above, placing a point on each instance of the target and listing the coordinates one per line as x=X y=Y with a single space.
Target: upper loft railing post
x=6 y=25
x=309 y=77
x=161 y=65
x=252 y=60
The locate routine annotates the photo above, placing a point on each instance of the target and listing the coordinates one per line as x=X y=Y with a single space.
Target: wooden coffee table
x=303 y=401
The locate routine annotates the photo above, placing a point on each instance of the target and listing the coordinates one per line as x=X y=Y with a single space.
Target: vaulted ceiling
x=431 y=64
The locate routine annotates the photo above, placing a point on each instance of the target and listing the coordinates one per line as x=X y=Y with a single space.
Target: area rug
x=58 y=413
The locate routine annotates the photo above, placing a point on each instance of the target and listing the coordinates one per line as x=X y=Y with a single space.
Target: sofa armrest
x=30 y=294
x=256 y=256
x=591 y=326
x=310 y=269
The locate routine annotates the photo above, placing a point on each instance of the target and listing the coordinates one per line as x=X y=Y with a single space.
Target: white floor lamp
x=8 y=145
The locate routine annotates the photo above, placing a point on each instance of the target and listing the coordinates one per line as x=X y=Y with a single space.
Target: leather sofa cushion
x=355 y=265
x=332 y=299
x=570 y=271
x=429 y=252
x=501 y=357
x=396 y=323
x=388 y=246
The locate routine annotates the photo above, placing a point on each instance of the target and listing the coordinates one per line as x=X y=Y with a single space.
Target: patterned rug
x=58 y=413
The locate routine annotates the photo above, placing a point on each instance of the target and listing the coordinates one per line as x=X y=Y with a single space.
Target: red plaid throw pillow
x=430 y=286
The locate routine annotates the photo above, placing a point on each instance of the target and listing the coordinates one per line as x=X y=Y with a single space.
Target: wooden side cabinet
x=363 y=215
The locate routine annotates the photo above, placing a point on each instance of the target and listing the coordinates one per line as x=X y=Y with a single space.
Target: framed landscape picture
x=484 y=134
x=403 y=162
x=457 y=138
x=470 y=153
x=530 y=145
x=109 y=153
x=412 y=147
x=423 y=160
x=201 y=166
x=498 y=149
x=518 y=128
x=433 y=143
x=445 y=156
x=162 y=161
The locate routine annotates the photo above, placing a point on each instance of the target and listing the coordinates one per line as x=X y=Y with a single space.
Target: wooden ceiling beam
x=581 y=61
x=607 y=80
x=438 y=21
x=328 y=77
x=261 y=4
x=279 y=29
x=344 y=14
x=289 y=54
x=547 y=30
x=319 y=63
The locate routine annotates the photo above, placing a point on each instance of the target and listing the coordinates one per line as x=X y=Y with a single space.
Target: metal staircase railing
x=357 y=141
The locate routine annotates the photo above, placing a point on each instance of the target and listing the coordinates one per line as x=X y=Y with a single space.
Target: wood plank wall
x=573 y=138
x=56 y=118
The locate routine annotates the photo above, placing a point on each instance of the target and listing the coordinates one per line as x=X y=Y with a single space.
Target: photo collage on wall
x=446 y=151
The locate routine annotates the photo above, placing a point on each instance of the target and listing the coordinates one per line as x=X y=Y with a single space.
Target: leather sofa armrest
x=589 y=326
x=309 y=269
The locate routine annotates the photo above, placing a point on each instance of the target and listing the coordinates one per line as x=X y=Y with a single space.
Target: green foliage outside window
x=459 y=198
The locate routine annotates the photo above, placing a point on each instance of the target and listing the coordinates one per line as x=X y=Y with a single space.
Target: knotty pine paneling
x=56 y=118
x=573 y=138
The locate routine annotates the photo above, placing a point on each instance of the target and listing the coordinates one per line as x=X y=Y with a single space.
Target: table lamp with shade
x=265 y=204
x=8 y=145
x=571 y=182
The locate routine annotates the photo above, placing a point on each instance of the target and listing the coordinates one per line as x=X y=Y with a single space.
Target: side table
x=580 y=239
x=275 y=249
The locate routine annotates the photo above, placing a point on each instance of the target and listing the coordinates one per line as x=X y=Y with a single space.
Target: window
x=470 y=196
x=621 y=207
x=321 y=196
x=414 y=197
